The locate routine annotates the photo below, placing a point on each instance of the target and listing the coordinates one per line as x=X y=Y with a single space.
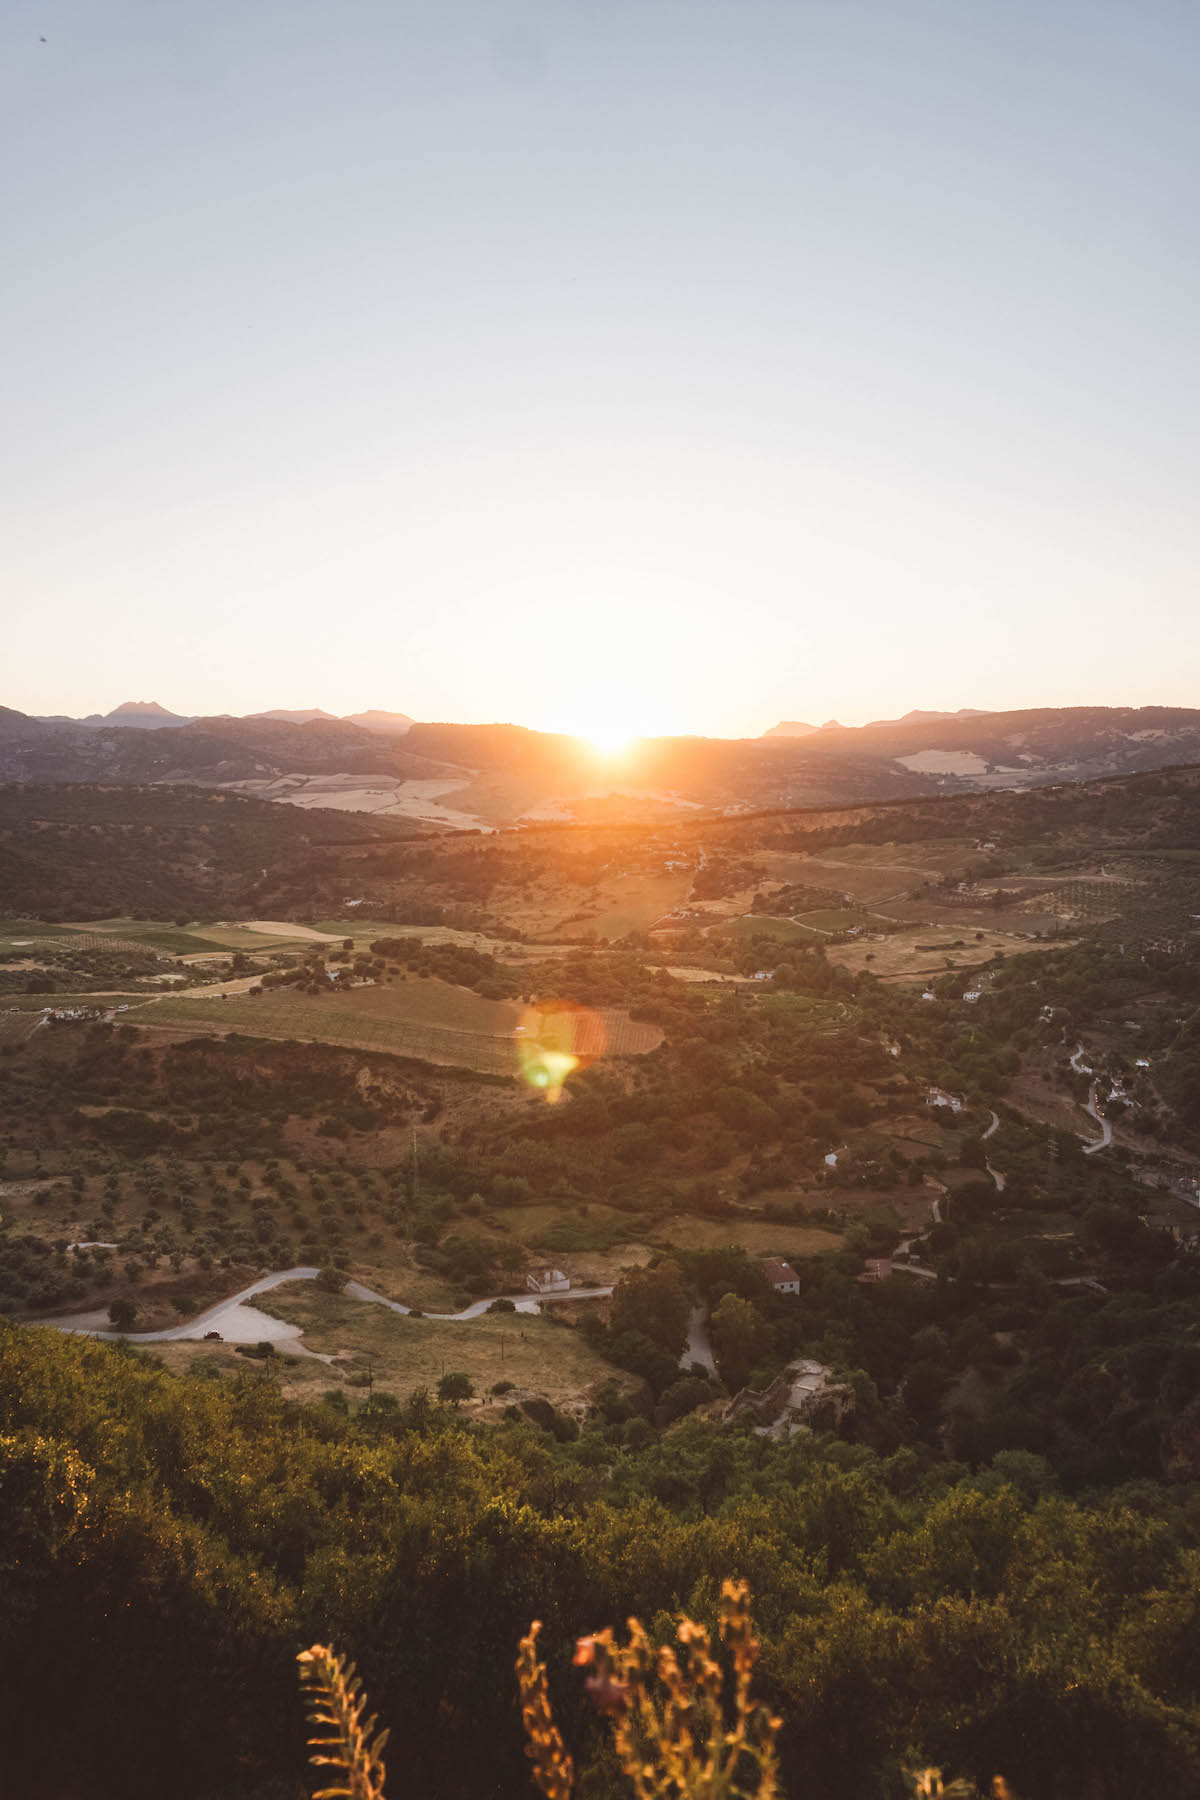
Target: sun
x=610 y=740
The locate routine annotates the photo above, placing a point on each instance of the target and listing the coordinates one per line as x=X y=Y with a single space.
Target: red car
x=212 y=1337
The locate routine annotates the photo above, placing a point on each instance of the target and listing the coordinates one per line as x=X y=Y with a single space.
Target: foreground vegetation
x=907 y=1605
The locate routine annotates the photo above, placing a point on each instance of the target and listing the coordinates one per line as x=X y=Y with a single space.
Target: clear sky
x=691 y=364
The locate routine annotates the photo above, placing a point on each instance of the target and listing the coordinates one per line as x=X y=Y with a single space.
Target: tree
x=123 y=1313
x=331 y=1281
x=740 y=1338
x=456 y=1387
x=654 y=1303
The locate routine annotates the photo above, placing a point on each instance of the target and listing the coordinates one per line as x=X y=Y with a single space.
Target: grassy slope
x=406 y=1353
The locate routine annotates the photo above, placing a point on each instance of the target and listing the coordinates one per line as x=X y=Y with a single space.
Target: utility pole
x=414 y=1165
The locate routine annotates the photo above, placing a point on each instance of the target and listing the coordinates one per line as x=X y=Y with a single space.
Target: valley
x=570 y=1149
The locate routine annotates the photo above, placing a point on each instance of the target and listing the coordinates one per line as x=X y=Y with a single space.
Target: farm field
x=762 y=1237
x=15 y=1027
x=1086 y=902
x=907 y=955
x=813 y=1009
x=364 y=932
x=265 y=934
x=101 y=934
x=837 y=918
x=17 y=933
x=418 y=800
x=752 y=925
x=407 y=1353
x=684 y=972
x=145 y=934
x=871 y=872
x=629 y=903
x=419 y=1017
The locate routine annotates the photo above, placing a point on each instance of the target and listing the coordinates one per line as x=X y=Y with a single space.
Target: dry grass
x=407 y=1353
x=906 y=955
x=629 y=903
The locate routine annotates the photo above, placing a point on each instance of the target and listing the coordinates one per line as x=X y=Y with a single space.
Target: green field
x=148 y=934
x=752 y=925
x=761 y=1237
x=23 y=929
x=811 y=1007
x=421 y=1017
x=836 y=918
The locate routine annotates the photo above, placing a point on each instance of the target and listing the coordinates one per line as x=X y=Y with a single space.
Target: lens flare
x=554 y=1038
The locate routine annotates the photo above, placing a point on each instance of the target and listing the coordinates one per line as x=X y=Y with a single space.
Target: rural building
x=802 y=1396
x=781 y=1275
x=548 y=1281
x=878 y=1269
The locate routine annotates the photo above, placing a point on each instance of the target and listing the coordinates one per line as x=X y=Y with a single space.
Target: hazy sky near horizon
x=691 y=364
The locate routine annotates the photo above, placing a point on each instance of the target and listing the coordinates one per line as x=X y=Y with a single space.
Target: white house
x=781 y=1275
x=548 y=1281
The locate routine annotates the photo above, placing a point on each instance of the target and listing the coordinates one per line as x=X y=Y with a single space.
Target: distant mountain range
x=515 y=774
x=797 y=728
x=148 y=715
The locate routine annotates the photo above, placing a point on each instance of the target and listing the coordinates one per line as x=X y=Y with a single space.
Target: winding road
x=236 y=1322
x=1105 y=1138
x=995 y=1174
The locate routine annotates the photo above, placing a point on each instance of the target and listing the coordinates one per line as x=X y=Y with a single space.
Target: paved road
x=239 y=1323
x=995 y=1174
x=699 y=1345
x=1105 y=1138
x=524 y=1303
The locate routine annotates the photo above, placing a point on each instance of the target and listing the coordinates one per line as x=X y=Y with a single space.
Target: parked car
x=212 y=1337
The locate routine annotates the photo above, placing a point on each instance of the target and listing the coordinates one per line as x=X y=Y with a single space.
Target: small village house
x=548 y=1281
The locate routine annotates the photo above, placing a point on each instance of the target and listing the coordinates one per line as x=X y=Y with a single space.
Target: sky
x=600 y=365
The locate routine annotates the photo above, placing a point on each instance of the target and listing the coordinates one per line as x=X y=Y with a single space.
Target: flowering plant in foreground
x=666 y=1709
x=676 y=1733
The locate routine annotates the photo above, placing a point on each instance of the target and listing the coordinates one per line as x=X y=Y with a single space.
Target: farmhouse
x=548 y=1281
x=878 y=1269
x=781 y=1275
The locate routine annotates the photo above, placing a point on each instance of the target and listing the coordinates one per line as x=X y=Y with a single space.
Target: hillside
x=88 y=851
x=1016 y=748
x=209 y=750
x=500 y=774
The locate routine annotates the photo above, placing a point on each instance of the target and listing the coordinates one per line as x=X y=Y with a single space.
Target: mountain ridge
x=516 y=773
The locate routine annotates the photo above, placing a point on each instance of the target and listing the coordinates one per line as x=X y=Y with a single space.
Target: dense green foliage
x=169 y=1544
x=91 y=852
